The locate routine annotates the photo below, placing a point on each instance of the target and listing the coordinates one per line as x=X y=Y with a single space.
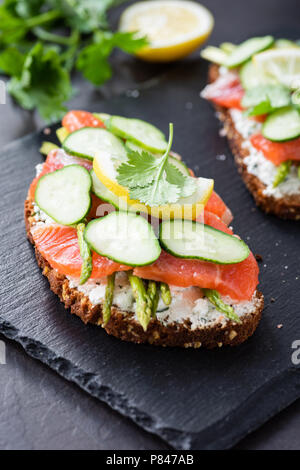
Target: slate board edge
x=218 y=437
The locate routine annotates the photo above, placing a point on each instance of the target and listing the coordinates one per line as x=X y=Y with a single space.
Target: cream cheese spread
x=258 y=165
x=188 y=304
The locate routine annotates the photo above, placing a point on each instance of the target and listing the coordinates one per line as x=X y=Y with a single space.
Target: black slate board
x=191 y=398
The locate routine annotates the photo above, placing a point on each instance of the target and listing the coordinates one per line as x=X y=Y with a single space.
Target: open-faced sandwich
x=131 y=240
x=255 y=89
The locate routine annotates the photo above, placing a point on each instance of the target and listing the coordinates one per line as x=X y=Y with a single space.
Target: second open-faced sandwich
x=255 y=89
x=131 y=240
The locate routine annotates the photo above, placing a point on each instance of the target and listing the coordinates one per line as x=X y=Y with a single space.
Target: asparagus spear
x=143 y=309
x=165 y=293
x=282 y=172
x=153 y=296
x=85 y=252
x=214 y=297
x=109 y=294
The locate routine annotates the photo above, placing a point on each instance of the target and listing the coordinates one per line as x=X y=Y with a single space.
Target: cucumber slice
x=142 y=133
x=251 y=77
x=64 y=195
x=103 y=192
x=102 y=116
x=88 y=140
x=178 y=163
x=283 y=124
x=215 y=55
x=189 y=239
x=123 y=237
x=247 y=49
x=228 y=47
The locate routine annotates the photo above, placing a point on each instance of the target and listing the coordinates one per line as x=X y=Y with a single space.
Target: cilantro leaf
x=93 y=59
x=28 y=8
x=12 y=61
x=42 y=79
x=263 y=99
x=43 y=84
x=186 y=183
x=87 y=15
x=129 y=42
x=89 y=57
x=153 y=180
x=163 y=193
x=14 y=24
x=145 y=164
x=12 y=28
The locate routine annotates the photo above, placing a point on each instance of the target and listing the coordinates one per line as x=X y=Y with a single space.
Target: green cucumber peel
x=282 y=125
x=247 y=49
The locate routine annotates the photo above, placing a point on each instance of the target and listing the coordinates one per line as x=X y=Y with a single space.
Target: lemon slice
x=174 y=28
x=282 y=64
x=186 y=208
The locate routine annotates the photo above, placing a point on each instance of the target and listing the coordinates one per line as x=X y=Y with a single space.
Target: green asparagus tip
x=165 y=293
x=215 y=298
x=143 y=302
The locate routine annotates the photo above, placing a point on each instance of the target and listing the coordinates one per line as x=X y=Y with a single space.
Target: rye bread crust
x=123 y=325
x=285 y=208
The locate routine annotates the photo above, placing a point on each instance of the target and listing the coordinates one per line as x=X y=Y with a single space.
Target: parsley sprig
x=152 y=180
x=39 y=58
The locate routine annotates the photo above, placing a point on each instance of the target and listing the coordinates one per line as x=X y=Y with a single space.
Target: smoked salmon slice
x=75 y=120
x=216 y=205
x=209 y=218
x=226 y=91
x=277 y=152
x=59 y=246
x=238 y=281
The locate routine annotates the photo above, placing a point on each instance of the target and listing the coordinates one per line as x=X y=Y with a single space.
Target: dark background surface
x=40 y=410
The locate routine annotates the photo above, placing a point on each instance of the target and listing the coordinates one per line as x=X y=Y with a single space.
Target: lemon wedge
x=282 y=64
x=174 y=28
x=186 y=208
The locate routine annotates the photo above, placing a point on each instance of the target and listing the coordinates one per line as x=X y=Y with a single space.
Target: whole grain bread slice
x=123 y=325
x=287 y=207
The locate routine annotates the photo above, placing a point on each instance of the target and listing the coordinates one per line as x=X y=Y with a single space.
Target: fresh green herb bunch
x=39 y=60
